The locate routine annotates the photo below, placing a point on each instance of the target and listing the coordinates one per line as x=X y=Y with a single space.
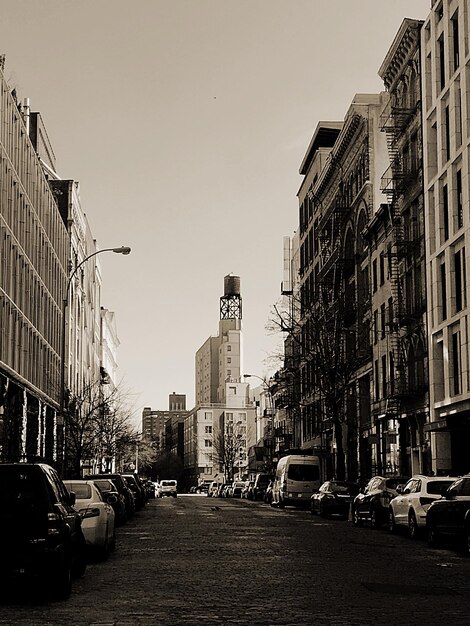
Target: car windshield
x=82 y=491
x=437 y=487
x=264 y=480
x=168 y=483
x=303 y=472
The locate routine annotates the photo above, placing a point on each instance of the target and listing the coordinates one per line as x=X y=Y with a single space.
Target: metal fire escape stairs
x=393 y=185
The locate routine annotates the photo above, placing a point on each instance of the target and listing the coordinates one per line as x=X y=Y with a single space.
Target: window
x=383 y=320
x=382 y=269
x=445 y=213
x=376 y=380
x=374 y=275
x=459 y=199
x=456 y=365
x=208 y=416
x=229 y=359
x=384 y=376
x=459 y=282
x=376 y=325
x=229 y=348
x=442 y=71
x=443 y=289
x=447 y=133
x=208 y=429
x=208 y=443
x=455 y=40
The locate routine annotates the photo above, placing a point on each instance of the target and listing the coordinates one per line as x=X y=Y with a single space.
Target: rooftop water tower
x=231 y=301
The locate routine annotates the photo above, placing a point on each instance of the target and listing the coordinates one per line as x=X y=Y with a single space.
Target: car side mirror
x=400 y=489
x=72 y=498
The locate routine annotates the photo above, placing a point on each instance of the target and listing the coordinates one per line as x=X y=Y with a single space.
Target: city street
x=199 y=560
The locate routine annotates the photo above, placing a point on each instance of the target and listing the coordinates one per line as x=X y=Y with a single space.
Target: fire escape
x=395 y=182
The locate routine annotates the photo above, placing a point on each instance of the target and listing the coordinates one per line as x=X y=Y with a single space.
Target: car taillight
x=52 y=519
x=424 y=501
x=84 y=513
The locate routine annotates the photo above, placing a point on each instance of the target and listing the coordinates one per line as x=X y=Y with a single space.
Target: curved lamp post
x=122 y=250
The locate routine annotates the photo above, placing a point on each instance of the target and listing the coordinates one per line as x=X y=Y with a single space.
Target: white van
x=298 y=476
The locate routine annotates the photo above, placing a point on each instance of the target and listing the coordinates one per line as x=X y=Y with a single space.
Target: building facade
x=446 y=132
x=33 y=265
x=395 y=235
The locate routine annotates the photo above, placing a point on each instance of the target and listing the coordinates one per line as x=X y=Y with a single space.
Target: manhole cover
x=409 y=590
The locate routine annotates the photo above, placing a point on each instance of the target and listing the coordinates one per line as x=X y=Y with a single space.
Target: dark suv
x=40 y=531
x=373 y=503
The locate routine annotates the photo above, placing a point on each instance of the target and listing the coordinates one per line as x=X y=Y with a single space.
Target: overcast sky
x=185 y=122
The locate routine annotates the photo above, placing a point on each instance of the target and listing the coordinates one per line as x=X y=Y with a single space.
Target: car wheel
x=434 y=540
x=413 y=529
x=281 y=504
x=466 y=546
x=357 y=521
x=392 y=526
x=312 y=508
x=61 y=582
x=321 y=510
x=374 y=518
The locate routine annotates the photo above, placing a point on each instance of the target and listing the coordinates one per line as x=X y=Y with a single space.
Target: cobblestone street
x=198 y=560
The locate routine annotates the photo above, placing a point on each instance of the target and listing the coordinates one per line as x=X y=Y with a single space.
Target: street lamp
x=122 y=250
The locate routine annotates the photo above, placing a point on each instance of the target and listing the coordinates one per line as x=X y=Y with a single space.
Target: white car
x=97 y=516
x=410 y=506
x=167 y=488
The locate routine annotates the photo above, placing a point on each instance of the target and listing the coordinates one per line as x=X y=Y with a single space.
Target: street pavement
x=194 y=560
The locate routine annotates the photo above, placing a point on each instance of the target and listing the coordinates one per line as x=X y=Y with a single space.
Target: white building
x=446 y=135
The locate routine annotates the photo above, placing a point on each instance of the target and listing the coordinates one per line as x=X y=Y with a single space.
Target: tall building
x=164 y=428
x=446 y=135
x=33 y=266
x=396 y=240
x=223 y=416
x=219 y=359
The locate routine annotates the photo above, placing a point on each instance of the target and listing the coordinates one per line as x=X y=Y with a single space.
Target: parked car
x=112 y=496
x=268 y=494
x=203 y=487
x=97 y=516
x=409 y=507
x=247 y=491
x=41 y=533
x=167 y=488
x=213 y=488
x=448 y=519
x=133 y=482
x=236 y=489
x=373 y=503
x=149 y=487
x=260 y=485
x=334 y=496
x=227 y=490
x=297 y=478
x=122 y=487
x=220 y=489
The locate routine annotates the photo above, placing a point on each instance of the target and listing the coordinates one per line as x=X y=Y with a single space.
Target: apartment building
x=34 y=251
x=395 y=238
x=445 y=59
x=338 y=197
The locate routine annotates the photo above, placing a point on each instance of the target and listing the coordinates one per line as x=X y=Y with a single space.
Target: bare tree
x=98 y=427
x=330 y=346
x=226 y=445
